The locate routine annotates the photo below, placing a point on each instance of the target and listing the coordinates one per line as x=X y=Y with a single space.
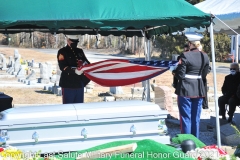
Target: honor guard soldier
x=191 y=70
x=72 y=81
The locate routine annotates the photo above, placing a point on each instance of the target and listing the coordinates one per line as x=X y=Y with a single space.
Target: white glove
x=84 y=63
x=78 y=72
x=172 y=68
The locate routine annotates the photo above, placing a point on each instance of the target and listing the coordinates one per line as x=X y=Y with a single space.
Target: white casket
x=72 y=127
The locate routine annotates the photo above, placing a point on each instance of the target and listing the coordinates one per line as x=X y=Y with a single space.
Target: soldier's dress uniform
x=193 y=67
x=71 y=83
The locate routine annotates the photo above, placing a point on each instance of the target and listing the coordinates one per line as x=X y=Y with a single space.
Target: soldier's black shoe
x=205 y=107
x=230 y=120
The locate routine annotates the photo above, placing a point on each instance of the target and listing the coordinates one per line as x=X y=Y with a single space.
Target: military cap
x=73 y=38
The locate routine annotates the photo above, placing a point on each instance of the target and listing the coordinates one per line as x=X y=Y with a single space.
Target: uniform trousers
x=72 y=95
x=205 y=100
x=190 y=112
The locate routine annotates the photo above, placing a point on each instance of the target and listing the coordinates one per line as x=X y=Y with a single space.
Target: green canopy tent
x=127 y=17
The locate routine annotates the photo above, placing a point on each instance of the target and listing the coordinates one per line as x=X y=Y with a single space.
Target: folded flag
x=119 y=72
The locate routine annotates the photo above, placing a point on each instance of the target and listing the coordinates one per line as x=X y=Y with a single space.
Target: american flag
x=119 y=72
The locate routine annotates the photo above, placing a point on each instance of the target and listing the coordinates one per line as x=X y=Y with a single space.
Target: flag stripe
x=128 y=75
x=103 y=63
x=126 y=69
x=113 y=66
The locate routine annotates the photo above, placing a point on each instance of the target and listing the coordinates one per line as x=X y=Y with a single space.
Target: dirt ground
x=40 y=96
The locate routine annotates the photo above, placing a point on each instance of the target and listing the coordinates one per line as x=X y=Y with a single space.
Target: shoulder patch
x=60 y=57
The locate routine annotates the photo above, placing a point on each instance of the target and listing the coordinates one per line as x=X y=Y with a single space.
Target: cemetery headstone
x=22 y=72
x=16 y=53
x=116 y=90
x=3 y=62
x=53 y=78
x=58 y=74
x=32 y=62
x=11 y=61
x=31 y=76
x=89 y=87
x=137 y=91
x=49 y=69
x=163 y=98
x=17 y=63
x=59 y=91
x=10 y=70
x=44 y=74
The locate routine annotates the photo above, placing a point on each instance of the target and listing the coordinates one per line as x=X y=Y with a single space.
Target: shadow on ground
x=223 y=67
x=43 y=92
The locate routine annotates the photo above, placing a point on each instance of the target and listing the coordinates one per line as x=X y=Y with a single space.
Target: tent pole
x=237 y=59
x=215 y=87
x=148 y=58
x=146 y=84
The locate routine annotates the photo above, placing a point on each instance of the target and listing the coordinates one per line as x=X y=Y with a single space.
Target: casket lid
x=118 y=109
x=38 y=114
x=107 y=111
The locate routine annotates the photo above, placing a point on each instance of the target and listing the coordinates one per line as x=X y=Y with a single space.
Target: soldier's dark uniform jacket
x=67 y=60
x=191 y=72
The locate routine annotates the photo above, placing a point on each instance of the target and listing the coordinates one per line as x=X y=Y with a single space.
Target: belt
x=192 y=76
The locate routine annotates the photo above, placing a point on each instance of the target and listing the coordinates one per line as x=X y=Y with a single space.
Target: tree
x=168 y=45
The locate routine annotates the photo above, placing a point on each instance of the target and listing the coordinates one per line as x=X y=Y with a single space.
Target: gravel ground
x=206 y=137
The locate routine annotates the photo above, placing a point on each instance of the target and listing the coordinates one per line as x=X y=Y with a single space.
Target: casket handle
x=4 y=134
x=84 y=133
x=162 y=127
x=133 y=129
x=3 y=137
x=35 y=136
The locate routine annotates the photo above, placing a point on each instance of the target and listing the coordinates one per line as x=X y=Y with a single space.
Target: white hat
x=193 y=36
x=73 y=37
